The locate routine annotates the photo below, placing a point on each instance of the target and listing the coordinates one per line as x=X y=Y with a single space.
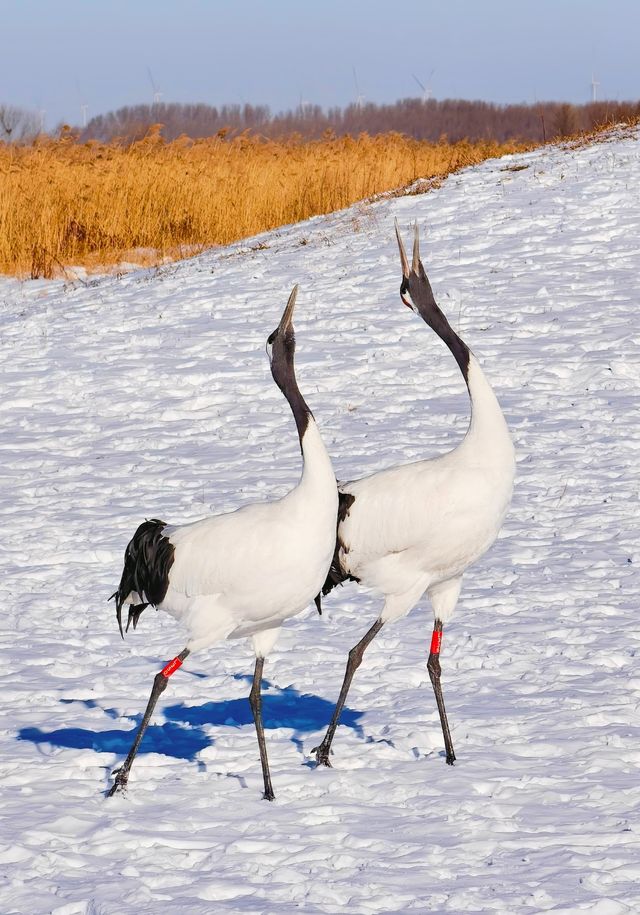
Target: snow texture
x=149 y=395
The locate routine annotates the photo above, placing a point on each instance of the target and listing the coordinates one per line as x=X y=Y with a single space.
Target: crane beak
x=287 y=316
x=403 y=256
x=415 y=266
x=406 y=273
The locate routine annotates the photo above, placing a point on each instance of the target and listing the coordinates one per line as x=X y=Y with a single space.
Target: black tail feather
x=336 y=574
x=147 y=560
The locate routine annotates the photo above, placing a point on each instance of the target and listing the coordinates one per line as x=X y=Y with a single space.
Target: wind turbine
x=426 y=90
x=157 y=95
x=594 y=88
x=84 y=107
x=359 y=96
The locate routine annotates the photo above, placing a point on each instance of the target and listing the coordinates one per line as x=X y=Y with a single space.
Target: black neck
x=458 y=347
x=284 y=375
x=299 y=408
x=429 y=311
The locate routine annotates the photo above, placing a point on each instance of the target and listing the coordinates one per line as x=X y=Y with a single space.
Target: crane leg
x=433 y=666
x=355 y=659
x=255 y=701
x=159 y=686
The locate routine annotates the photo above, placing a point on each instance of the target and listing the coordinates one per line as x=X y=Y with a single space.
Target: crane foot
x=322 y=756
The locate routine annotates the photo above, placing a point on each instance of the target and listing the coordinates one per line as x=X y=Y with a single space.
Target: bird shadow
x=169 y=739
x=184 y=732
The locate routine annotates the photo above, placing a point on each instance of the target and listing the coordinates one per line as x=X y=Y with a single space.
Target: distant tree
x=422 y=119
x=566 y=121
x=17 y=125
x=596 y=114
x=198 y=120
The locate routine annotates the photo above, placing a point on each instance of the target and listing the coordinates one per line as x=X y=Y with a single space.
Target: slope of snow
x=150 y=396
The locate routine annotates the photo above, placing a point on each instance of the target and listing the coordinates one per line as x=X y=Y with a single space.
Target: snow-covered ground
x=150 y=396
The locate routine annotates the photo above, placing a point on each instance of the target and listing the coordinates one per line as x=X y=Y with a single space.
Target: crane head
x=281 y=344
x=416 y=293
x=415 y=290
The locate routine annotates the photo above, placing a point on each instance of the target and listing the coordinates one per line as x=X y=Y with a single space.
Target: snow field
x=150 y=395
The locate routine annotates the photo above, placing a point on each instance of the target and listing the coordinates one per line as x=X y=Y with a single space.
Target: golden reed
x=63 y=203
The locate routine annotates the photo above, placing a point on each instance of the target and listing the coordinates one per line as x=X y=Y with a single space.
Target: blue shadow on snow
x=182 y=735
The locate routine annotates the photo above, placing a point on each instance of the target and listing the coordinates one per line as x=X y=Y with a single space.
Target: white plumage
x=244 y=573
x=415 y=529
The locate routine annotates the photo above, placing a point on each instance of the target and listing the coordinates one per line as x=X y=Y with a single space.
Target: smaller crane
x=243 y=573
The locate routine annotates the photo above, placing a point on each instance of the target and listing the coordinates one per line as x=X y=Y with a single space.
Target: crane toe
x=322 y=756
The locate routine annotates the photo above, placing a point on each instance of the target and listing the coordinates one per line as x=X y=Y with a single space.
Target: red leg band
x=171 y=667
x=436 y=641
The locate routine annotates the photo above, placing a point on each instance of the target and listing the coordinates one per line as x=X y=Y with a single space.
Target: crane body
x=414 y=529
x=244 y=573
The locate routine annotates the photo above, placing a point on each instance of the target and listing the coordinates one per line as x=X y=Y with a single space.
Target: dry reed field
x=67 y=204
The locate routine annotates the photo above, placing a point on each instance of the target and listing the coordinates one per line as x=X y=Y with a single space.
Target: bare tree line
x=17 y=125
x=429 y=119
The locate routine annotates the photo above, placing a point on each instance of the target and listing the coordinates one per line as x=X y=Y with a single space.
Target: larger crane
x=416 y=528
x=244 y=573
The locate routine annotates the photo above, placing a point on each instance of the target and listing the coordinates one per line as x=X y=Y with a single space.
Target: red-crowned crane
x=242 y=573
x=415 y=529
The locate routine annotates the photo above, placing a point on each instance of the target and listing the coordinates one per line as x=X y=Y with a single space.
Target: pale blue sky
x=56 y=56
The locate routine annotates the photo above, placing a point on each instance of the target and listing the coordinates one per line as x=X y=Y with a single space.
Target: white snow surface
x=149 y=395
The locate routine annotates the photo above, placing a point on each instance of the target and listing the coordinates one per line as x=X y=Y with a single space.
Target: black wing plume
x=147 y=561
x=336 y=574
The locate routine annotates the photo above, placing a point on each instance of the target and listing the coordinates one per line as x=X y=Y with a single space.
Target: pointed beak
x=287 y=315
x=415 y=266
x=403 y=256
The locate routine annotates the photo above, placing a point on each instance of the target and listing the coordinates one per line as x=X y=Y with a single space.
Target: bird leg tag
x=171 y=667
x=436 y=641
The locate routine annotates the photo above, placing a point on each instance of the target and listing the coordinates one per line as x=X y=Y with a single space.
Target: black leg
x=355 y=659
x=159 y=686
x=433 y=666
x=255 y=701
